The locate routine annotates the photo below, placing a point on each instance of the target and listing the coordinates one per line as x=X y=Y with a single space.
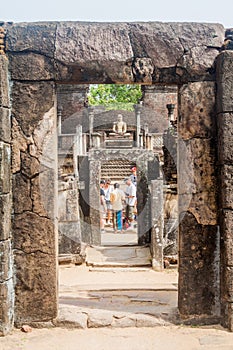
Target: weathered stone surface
x=69 y=237
x=188 y=48
x=226 y=173
x=5 y=216
x=157 y=224
x=154 y=111
x=91 y=47
x=30 y=165
x=5 y=125
x=20 y=143
x=36 y=288
x=197 y=179
x=33 y=233
x=22 y=200
x=198 y=268
x=226 y=224
x=5 y=168
x=6 y=309
x=38 y=98
x=43 y=193
x=69 y=317
x=197 y=110
x=4 y=87
x=148 y=321
x=202 y=205
x=123 y=322
x=99 y=318
x=5 y=261
x=32 y=37
x=31 y=66
x=225 y=81
x=85 y=42
x=225 y=138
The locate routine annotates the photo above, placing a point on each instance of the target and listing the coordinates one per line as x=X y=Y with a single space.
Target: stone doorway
x=122 y=53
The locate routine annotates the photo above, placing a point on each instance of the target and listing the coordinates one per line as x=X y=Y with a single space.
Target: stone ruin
x=37 y=60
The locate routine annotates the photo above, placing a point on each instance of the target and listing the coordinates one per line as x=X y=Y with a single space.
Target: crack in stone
x=7 y=280
x=32 y=252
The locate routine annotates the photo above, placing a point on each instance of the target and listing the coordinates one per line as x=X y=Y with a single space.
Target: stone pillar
x=138 y=124
x=94 y=201
x=34 y=166
x=198 y=230
x=69 y=219
x=6 y=257
x=143 y=201
x=225 y=161
x=157 y=224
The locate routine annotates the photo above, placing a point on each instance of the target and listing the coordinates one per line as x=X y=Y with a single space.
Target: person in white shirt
x=117 y=198
x=108 y=188
x=130 y=199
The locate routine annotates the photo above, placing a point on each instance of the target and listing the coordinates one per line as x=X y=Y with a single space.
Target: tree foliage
x=114 y=96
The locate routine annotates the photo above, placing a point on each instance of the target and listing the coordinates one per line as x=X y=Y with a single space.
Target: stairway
x=114 y=256
x=116 y=169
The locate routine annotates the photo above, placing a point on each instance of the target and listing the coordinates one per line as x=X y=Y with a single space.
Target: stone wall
x=155 y=100
x=225 y=172
x=6 y=255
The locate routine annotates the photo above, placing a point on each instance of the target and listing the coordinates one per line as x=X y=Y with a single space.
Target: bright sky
x=210 y=11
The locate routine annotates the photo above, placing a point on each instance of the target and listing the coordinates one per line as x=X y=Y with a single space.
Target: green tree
x=114 y=96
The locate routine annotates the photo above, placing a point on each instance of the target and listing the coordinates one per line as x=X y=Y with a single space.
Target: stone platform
x=116 y=297
x=118 y=256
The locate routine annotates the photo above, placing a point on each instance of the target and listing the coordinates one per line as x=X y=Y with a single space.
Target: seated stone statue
x=119 y=127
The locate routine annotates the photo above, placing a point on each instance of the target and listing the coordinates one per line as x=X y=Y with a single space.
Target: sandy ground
x=83 y=276
x=169 y=337
x=158 y=338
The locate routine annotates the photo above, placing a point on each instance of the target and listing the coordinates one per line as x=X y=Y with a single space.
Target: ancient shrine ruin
x=47 y=130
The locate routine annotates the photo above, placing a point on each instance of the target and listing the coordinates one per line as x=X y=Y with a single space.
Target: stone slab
x=4 y=86
x=197 y=110
x=31 y=37
x=38 y=99
x=5 y=168
x=36 y=288
x=31 y=67
x=6 y=261
x=5 y=216
x=5 y=125
x=198 y=267
x=226 y=193
x=225 y=81
x=69 y=317
x=6 y=306
x=225 y=138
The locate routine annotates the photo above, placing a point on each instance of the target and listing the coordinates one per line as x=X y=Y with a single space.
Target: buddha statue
x=119 y=127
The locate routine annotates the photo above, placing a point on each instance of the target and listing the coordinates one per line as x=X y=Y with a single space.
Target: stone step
x=118 y=256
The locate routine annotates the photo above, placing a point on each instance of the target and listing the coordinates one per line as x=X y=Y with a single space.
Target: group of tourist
x=118 y=207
